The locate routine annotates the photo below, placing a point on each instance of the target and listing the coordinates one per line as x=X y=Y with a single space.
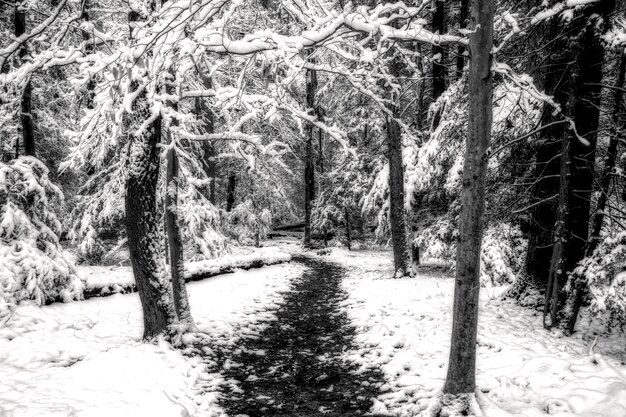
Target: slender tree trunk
x=309 y=165
x=562 y=234
x=397 y=214
x=230 y=191
x=208 y=148
x=142 y=217
x=575 y=297
x=348 y=235
x=172 y=222
x=460 y=59
x=26 y=116
x=89 y=49
x=439 y=64
x=461 y=377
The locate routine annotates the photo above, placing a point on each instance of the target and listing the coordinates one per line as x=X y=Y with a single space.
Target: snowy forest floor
x=332 y=333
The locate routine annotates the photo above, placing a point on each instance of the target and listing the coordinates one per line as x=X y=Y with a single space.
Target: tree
x=460 y=59
x=26 y=114
x=577 y=172
x=461 y=377
x=397 y=215
x=142 y=213
x=172 y=221
x=309 y=163
x=577 y=280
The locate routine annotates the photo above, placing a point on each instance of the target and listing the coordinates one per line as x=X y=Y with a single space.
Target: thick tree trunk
x=575 y=297
x=230 y=191
x=141 y=226
x=172 y=223
x=397 y=214
x=461 y=377
x=142 y=217
x=26 y=116
x=309 y=164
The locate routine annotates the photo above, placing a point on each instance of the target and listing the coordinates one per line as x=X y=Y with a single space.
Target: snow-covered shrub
x=438 y=241
x=33 y=265
x=248 y=225
x=326 y=217
x=202 y=223
x=606 y=279
x=502 y=254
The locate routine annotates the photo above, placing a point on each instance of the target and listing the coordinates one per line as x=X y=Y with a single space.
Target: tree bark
x=26 y=116
x=172 y=223
x=461 y=377
x=397 y=214
x=142 y=216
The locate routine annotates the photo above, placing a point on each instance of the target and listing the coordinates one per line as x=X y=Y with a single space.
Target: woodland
x=362 y=149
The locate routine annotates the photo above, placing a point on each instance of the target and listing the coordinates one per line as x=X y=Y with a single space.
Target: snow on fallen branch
x=102 y=285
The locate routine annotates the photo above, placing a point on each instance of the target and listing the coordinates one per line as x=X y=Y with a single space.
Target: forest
x=312 y=207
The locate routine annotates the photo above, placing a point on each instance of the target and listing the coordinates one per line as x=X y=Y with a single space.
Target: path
x=294 y=368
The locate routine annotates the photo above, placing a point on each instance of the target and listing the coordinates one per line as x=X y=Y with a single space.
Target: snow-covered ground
x=404 y=325
x=87 y=359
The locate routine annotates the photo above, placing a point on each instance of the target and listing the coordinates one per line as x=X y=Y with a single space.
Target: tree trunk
x=26 y=116
x=172 y=223
x=543 y=215
x=230 y=192
x=584 y=107
x=575 y=297
x=562 y=235
x=142 y=217
x=461 y=377
x=439 y=64
x=309 y=164
x=208 y=148
x=397 y=214
x=89 y=49
x=460 y=59
x=348 y=236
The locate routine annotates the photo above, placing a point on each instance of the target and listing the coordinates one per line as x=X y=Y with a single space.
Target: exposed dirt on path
x=295 y=367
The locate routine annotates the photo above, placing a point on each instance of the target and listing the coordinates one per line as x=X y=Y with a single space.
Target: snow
x=106 y=280
x=87 y=359
x=403 y=326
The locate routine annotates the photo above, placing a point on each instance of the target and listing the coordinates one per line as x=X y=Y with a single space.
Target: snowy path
x=87 y=359
x=294 y=366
